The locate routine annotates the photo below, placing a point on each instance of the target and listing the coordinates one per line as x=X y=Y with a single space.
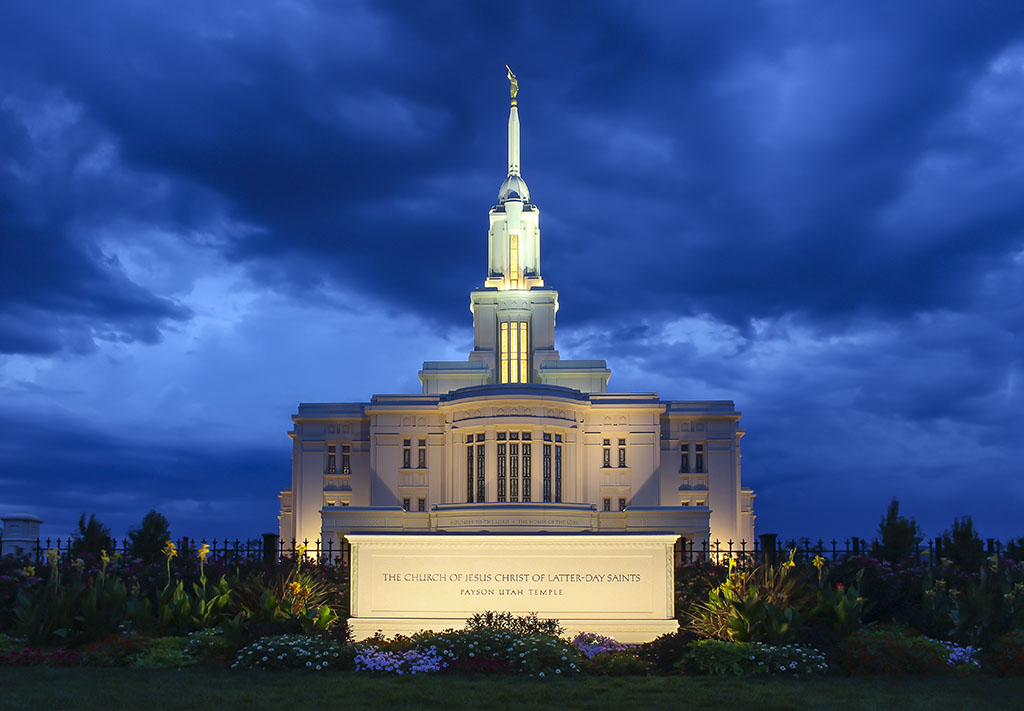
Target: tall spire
x=513 y=125
x=514 y=187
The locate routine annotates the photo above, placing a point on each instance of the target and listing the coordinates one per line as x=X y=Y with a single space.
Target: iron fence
x=765 y=548
x=226 y=551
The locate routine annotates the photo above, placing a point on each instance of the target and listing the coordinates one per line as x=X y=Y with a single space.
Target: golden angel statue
x=514 y=88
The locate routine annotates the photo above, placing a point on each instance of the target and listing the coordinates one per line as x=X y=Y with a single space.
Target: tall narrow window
x=547 y=471
x=469 y=469
x=405 y=504
x=421 y=505
x=606 y=505
x=481 y=462
x=606 y=453
x=558 y=469
x=421 y=455
x=331 y=461
x=503 y=352
x=622 y=504
x=406 y=453
x=513 y=471
x=346 y=463
x=514 y=355
x=527 y=466
x=502 y=471
x=698 y=455
x=524 y=354
x=684 y=458
x=513 y=261
x=622 y=452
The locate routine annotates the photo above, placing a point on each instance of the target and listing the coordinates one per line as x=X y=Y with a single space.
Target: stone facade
x=515 y=439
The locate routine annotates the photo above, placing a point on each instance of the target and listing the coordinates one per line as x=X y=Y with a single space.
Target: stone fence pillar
x=769 y=551
x=20 y=535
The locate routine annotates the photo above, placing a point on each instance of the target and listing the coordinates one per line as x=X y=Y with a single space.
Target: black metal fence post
x=270 y=547
x=769 y=541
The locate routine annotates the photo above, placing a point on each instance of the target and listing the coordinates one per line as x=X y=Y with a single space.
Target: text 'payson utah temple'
x=515 y=439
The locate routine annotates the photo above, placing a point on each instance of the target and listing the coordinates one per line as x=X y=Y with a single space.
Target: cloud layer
x=209 y=214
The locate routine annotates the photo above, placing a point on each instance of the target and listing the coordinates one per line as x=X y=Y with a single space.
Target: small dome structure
x=514 y=188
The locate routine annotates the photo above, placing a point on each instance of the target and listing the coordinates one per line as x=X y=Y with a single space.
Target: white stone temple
x=515 y=439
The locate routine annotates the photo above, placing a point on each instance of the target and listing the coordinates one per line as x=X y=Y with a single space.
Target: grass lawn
x=215 y=690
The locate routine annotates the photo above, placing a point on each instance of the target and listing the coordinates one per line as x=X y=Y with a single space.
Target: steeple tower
x=514 y=312
x=514 y=238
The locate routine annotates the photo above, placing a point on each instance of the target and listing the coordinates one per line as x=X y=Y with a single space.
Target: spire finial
x=513 y=88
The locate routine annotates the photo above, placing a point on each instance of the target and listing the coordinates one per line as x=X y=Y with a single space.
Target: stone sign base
x=619 y=585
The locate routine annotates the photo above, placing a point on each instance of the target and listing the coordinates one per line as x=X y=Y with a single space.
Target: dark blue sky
x=211 y=212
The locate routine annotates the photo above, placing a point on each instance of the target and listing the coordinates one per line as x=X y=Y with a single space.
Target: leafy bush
x=1005 y=655
x=715 y=657
x=209 y=646
x=665 y=652
x=790 y=659
x=293 y=652
x=718 y=658
x=520 y=624
x=694 y=582
x=891 y=650
x=86 y=608
x=163 y=652
x=616 y=663
x=766 y=603
x=482 y=649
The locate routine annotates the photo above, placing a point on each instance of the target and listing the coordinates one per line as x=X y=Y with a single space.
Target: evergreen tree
x=963 y=545
x=148 y=539
x=897 y=536
x=91 y=537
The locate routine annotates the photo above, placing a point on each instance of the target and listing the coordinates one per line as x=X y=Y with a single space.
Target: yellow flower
x=29 y=570
x=78 y=565
x=300 y=550
x=170 y=550
x=52 y=556
x=818 y=562
x=104 y=557
x=203 y=552
x=295 y=588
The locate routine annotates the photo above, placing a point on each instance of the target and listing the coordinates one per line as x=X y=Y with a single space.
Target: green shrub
x=665 y=652
x=490 y=649
x=9 y=644
x=891 y=650
x=294 y=652
x=618 y=663
x=209 y=646
x=716 y=658
x=520 y=624
x=1005 y=656
x=766 y=603
x=790 y=659
x=163 y=652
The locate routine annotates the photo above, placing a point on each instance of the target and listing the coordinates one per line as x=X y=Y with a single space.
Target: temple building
x=516 y=439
